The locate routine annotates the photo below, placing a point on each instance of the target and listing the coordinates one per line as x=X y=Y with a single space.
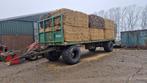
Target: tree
x=101 y=13
x=132 y=17
x=118 y=16
x=127 y=18
x=144 y=18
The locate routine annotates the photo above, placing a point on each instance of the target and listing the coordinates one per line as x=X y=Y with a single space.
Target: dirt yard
x=120 y=66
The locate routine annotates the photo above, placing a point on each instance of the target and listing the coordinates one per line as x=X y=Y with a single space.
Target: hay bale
x=72 y=33
x=96 y=21
x=109 y=34
x=109 y=29
x=70 y=17
x=109 y=24
x=96 y=34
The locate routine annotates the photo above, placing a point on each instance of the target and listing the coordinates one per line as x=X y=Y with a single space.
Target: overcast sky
x=12 y=8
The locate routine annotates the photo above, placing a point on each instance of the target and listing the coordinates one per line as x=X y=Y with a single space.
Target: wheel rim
x=74 y=54
x=33 y=57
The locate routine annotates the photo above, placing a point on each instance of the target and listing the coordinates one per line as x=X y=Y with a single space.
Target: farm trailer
x=53 y=44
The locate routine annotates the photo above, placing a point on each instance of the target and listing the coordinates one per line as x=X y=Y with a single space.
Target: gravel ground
x=119 y=66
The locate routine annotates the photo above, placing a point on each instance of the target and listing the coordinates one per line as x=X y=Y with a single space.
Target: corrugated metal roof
x=134 y=30
x=31 y=17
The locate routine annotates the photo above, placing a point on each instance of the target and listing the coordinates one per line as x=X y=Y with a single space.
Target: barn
x=18 y=32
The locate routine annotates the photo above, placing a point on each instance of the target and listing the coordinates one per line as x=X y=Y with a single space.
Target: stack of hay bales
x=75 y=25
x=79 y=26
x=101 y=28
x=109 y=29
x=96 y=26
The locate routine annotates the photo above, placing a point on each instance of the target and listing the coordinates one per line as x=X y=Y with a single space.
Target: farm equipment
x=2 y=49
x=57 y=38
x=31 y=54
x=56 y=45
x=11 y=58
x=7 y=55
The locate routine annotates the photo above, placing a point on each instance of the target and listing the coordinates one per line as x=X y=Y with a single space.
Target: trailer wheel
x=108 y=47
x=53 y=56
x=71 y=55
x=32 y=58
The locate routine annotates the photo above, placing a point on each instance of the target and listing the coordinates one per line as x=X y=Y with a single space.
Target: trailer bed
x=76 y=43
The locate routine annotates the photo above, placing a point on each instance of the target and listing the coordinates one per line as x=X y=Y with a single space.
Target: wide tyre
x=108 y=47
x=71 y=55
x=31 y=57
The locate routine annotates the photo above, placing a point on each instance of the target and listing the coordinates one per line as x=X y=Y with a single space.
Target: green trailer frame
x=54 y=45
x=51 y=37
x=56 y=38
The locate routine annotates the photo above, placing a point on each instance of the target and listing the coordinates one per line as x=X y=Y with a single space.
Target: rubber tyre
x=32 y=58
x=92 y=49
x=108 y=47
x=53 y=56
x=71 y=55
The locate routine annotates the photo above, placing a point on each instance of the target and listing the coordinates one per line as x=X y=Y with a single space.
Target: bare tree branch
x=144 y=18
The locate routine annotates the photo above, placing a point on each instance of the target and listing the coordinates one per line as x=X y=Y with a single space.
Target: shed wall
x=134 y=38
x=16 y=28
x=16 y=34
